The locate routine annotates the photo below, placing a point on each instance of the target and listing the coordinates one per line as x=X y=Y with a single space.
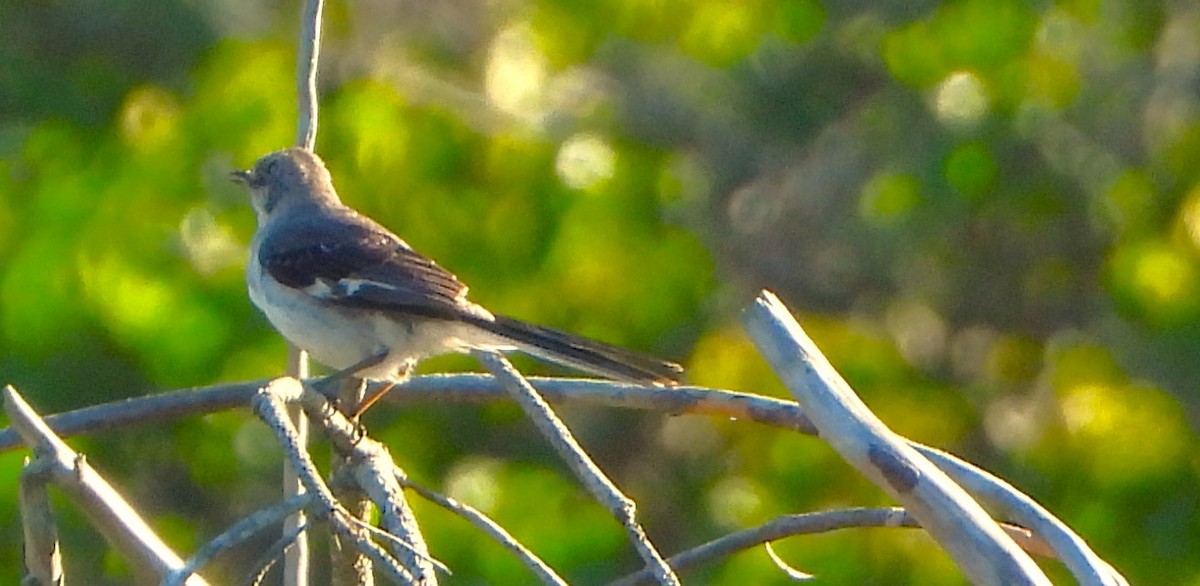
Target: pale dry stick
x=374 y=472
x=786 y=526
x=1087 y=567
x=601 y=488
x=105 y=508
x=43 y=559
x=270 y=406
x=959 y=524
x=296 y=559
x=140 y=410
x=489 y=527
x=238 y=533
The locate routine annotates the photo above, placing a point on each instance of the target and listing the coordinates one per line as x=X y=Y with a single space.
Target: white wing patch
x=320 y=289
x=343 y=288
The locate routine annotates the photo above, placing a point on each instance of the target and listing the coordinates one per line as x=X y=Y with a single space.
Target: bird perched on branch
x=355 y=296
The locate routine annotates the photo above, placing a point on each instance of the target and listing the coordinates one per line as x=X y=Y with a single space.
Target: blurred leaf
x=971 y=169
x=1128 y=435
x=1156 y=282
x=721 y=32
x=799 y=20
x=888 y=198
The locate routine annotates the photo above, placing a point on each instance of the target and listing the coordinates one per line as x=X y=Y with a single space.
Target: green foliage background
x=987 y=212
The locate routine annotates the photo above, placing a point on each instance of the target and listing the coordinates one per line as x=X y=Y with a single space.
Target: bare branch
x=948 y=513
x=1068 y=547
x=553 y=429
x=108 y=511
x=477 y=388
x=440 y=388
x=270 y=406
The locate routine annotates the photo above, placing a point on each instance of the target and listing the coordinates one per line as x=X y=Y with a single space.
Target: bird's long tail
x=584 y=354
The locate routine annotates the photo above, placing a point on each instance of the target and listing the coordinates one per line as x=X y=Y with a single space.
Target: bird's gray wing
x=353 y=262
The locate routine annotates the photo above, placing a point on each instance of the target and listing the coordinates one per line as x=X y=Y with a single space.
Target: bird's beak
x=240 y=176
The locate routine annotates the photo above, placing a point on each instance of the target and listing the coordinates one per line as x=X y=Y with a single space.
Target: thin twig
x=489 y=527
x=287 y=540
x=958 y=523
x=396 y=541
x=601 y=488
x=775 y=529
x=806 y=524
x=237 y=534
x=306 y=74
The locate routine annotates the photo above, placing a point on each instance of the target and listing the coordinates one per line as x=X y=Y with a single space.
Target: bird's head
x=284 y=179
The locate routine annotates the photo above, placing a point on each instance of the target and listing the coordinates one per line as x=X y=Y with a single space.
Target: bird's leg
x=332 y=384
x=347 y=376
x=379 y=393
x=350 y=394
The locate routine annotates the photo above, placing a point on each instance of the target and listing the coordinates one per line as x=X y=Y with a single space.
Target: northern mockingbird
x=354 y=295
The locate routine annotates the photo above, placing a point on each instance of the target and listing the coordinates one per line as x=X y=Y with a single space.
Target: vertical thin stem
x=296 y=558
x=295 y=568
x=306 y=74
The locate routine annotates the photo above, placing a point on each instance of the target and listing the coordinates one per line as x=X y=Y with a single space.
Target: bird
x=359 y=299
